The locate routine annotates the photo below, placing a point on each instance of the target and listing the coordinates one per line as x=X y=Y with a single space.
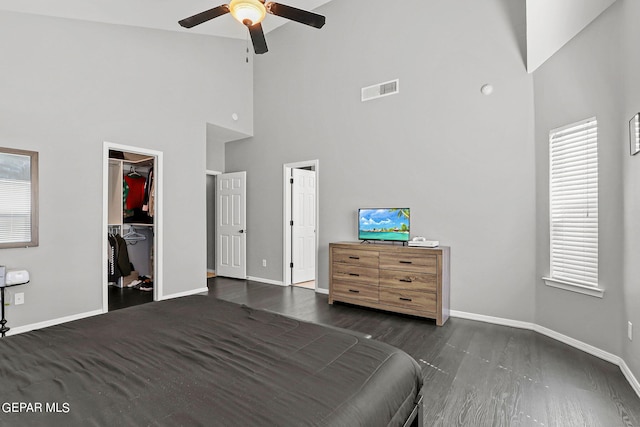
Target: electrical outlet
x=18 y=298
x=264 y=262
x=630 y=331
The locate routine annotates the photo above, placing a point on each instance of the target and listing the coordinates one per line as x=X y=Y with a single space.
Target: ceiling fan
x=251 y=13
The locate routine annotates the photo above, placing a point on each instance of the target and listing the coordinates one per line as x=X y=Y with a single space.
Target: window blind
x=15 y=211
x=574 y=203
x=15 y=199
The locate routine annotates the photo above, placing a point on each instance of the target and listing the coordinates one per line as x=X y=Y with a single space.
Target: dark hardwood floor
x=476 y=374
x=127 y=297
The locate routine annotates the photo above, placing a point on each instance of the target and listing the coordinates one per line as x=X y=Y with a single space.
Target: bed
x=202 y=361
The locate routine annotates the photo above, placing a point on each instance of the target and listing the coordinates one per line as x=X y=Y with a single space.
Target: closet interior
x=131 y=229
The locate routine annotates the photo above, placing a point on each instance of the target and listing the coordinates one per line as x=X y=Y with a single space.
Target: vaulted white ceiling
x=158 y=14
x=550 y=23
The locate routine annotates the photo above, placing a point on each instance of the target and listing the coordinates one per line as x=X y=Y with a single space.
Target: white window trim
x=561 y=283
x=574 y=287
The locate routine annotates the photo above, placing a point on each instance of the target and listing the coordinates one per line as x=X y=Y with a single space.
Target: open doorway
x=211 y=223
x=301 y=208
x=132 y=226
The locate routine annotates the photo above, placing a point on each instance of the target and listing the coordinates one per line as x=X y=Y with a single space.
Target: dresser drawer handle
x=354 y=291
x=405 y=299
x=406 y=262
x=354 y=257
x=354 y=274
x=406 y=280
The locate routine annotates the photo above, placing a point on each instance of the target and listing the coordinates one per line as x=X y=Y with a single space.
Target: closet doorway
x=132 y=226
x=301 y=213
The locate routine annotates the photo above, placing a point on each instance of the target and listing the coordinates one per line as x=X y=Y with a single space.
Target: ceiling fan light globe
x=247 y=12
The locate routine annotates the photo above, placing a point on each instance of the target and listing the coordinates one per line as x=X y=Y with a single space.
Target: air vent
x=381 y=89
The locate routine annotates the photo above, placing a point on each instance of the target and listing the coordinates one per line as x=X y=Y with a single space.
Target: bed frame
x=416 y=418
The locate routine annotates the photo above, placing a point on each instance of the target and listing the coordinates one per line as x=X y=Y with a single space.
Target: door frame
x=158 y=245
x=286 y=215
x=209 y=173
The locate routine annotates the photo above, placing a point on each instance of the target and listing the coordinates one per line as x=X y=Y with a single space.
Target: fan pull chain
x=247 y=59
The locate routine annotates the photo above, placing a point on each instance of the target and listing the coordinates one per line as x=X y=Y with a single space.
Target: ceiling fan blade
x=205 y=16
x=295 y=14
x=257 y=37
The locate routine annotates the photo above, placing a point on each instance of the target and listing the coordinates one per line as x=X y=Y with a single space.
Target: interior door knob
x=241 y=231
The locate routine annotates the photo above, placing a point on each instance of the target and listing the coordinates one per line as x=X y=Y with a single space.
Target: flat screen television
x=391 y=224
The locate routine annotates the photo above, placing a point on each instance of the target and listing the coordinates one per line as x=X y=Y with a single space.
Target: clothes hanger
x=133 y=236
x=133 y=173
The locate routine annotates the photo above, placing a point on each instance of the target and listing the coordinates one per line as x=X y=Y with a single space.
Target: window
x=18 y=198
x=573 y=189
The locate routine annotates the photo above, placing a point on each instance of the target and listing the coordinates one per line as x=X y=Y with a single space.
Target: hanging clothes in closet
x=114 y=271
x=149 y=191
x=133 y=197
x=119 y=264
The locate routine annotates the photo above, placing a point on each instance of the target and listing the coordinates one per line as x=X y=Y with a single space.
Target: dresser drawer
x=355 y=257
x=354 y=274
x=354 y=291
x=423 y=301
x=409 y=262
x=408 y=280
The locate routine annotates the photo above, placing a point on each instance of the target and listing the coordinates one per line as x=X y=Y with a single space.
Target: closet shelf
x=132 y=158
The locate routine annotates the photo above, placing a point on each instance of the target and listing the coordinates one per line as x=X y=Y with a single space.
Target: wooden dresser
x=403 y=279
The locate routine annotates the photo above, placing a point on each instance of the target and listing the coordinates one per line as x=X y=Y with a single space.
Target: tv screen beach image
x=383 y=224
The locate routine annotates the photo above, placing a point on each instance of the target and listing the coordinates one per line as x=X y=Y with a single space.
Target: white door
x=231 y=250
x=303 y=233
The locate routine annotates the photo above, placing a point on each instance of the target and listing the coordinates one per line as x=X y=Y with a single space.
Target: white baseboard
x=630 y=377
x=52 y=322
x=267 y=281
x=211 y=271
x=185 y=294
x=322 y=291
x=490 y=319
x=587 y=348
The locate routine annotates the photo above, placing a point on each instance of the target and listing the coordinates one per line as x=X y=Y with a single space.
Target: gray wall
x=66 y=87
x=631 y=176
x=215 y=155
x=582 y=80
x=463 y=162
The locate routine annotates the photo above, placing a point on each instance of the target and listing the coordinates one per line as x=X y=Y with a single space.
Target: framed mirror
x=634 y=134
x=18 y=198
